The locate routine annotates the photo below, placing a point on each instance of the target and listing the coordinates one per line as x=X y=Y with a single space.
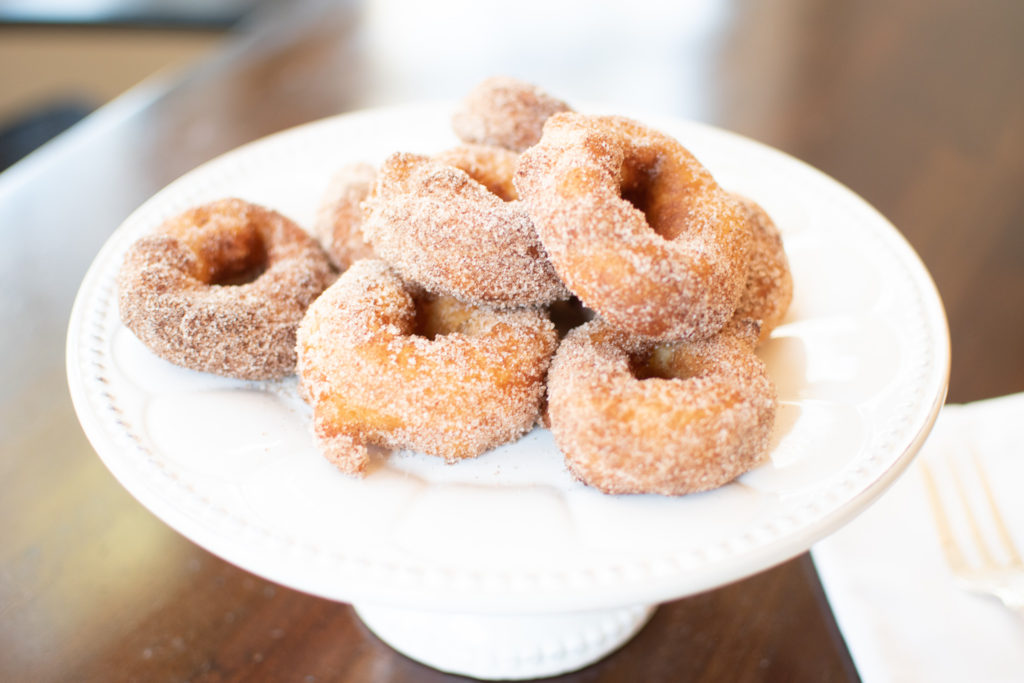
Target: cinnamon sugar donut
x=504 y=112
x=221 y=288
x=339 y=217
x=492 y=167
x=636 y=227
x=383 y=364
x=441 y=228
x=769 y=288
x=634 y=417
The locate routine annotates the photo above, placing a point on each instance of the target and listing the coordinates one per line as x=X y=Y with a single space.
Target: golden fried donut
x=636 y=227
x=769 y=289
x=442 y=229
x=492 y=167
x=339 y=216
x=383 y=364
x=634 y=417
x=504 y=112
x=221 y=288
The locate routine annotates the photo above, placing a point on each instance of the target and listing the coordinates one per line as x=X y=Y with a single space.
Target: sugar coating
x=769 y=287
x=176 y=289
x=492 y=167
x=631 y=416
x=339 y=216
x=635 y=226
x=439 y=227
x=504 y=112
x=382 y=363
x=661 y=393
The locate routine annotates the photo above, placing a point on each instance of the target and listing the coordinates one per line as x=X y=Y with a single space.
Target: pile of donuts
x=582 y=272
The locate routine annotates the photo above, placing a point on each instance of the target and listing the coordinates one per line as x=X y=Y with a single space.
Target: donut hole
x=227 y=238
x=638 y=189
x=243 y=267
x=645 y=186
x=505 y=192
x=661 y=362
x=499 y=185
x=492 y=167
x=437 y=316
x=228 y=254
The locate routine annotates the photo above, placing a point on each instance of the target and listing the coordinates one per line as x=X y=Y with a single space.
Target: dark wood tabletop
x=916 y=105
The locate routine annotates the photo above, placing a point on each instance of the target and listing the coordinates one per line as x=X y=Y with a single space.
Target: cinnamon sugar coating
x=658 y=282
x=635 y=226
x=382 y=363
x=440 y=227
x=492 y=167
x=631 y=416
x=339 y=217
x=221 y=288
x=769 y=288
x=504 y=112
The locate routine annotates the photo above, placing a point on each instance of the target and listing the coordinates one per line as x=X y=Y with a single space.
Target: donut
x=632 y=416
x=492 y=167
x=635 y=226
x=221 y=288
x=339 y=216
x=504 y=112
x=382 y=363
x=769 y=288
x=441 y=228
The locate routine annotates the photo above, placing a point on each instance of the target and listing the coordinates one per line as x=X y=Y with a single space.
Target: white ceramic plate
x=861 y=365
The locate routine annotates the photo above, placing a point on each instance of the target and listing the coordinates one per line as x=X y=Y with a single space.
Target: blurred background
x=61 y=59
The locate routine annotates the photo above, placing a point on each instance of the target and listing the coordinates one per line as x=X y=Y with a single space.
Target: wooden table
x=917 y=105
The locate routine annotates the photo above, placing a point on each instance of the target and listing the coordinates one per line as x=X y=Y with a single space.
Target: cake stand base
x=505 y=647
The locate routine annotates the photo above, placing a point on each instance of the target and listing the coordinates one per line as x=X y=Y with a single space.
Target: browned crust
x=769 y=288
x=442 y=229
x=702 y=417
x=171 y=296
x=504 y=112
x=339 y=217
x=673 y=270
x=383 y=364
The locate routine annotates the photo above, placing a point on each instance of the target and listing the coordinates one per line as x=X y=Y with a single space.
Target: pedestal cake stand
x=504 y=566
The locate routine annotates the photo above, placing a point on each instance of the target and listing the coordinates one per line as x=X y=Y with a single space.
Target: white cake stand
x=504 y=566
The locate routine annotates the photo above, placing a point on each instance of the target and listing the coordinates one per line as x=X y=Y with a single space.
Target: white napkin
x=894 y=598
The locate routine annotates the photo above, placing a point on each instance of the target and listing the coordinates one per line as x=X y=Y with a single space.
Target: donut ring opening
x=385 y=364
x=634 y=417
x=492 y=167
x=221 y=288
x=635 y=226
